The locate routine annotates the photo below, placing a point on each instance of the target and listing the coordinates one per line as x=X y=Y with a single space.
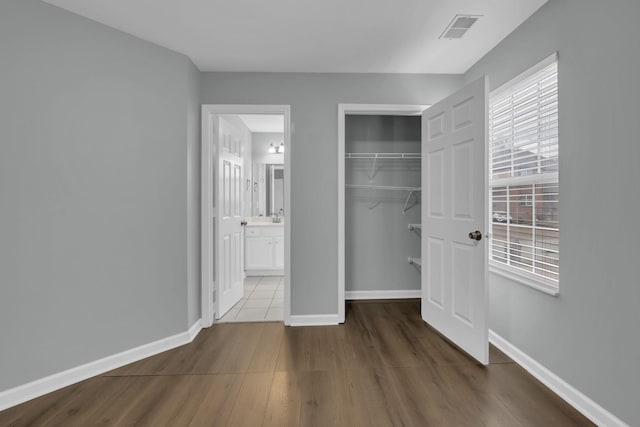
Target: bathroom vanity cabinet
x=264 y=250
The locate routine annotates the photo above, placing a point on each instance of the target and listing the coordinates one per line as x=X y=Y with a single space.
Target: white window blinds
x=523 y=144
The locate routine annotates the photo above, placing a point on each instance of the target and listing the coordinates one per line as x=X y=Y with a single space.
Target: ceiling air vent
x=459 y=25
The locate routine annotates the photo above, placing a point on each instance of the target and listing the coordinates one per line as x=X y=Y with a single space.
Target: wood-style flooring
x=383 y=367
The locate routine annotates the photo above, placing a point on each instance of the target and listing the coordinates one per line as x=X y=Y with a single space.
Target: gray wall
x=377 y=240
x=589 y=334
x=94 y=127
x=193 y=193
x=314 y=100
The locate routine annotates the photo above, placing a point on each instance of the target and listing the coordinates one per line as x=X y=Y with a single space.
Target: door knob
x=475 y=235
x=243 y=223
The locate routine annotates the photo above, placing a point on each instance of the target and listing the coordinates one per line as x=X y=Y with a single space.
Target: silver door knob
x=475 y=235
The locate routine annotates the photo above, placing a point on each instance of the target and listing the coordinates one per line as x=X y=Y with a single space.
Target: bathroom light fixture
x=276 y=149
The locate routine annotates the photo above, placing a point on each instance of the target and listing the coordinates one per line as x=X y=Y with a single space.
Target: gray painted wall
x=589 y=334
x=94 y=127
x=193 y=193
x=377 y=240
x=314 y=100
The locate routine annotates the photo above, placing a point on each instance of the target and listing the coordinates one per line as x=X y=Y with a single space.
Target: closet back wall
x=377 y=239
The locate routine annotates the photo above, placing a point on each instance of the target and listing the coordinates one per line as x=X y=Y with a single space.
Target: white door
x=228 y=272
x=454 y=275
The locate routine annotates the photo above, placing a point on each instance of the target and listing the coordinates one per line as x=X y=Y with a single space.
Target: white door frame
x=209 y=111
x=357 y=109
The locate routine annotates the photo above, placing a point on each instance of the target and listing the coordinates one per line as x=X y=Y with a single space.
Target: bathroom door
x=228 y=238
x=454 y=182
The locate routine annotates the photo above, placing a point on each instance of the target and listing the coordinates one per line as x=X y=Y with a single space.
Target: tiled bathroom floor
x=263 y=301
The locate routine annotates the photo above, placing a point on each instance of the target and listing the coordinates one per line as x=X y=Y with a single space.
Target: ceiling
x=263 y=122
x=355 y=36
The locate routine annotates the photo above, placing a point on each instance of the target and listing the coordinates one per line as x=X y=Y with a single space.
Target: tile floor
x=263 y=301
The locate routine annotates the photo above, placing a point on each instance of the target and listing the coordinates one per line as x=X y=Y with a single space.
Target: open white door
x=454 y=275
x=228 y=236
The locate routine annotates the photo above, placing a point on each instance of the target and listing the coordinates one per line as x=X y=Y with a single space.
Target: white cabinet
x=278 y=252
x=264 y=250
x=259 y=253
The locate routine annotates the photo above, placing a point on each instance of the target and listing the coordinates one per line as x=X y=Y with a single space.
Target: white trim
x=383 y=109
x=541 y=178
x=314 y=320
x=207 y=284
x=523 y=278
x=195 y=329
x=357 y=109
x=399 y=294
x=566 y=391
x=15 y=396
x=524 y=75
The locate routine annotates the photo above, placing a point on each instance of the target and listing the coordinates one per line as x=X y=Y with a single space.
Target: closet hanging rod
x=382 y=187
x=407 y=156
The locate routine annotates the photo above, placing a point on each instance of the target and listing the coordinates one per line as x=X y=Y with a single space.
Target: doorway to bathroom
x=246 y=202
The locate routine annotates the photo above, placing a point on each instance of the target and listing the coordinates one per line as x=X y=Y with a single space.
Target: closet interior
x=382 y=206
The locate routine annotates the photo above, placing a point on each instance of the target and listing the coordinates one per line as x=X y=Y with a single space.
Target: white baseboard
x=251 y=273
x=314 y=319
x=195 y=329
x=37 y=388
x=399 y=294
x=566 y=391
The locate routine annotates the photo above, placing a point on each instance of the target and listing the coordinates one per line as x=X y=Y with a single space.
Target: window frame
x=518 y=275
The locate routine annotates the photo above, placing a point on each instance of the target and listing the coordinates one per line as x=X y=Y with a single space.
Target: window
x=523 y=178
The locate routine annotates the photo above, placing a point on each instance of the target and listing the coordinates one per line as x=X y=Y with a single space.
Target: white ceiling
x=263 y=122
x=360 y=36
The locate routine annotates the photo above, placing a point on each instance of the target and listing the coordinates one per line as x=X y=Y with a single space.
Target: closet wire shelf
x=406 y=156
x=412 y=198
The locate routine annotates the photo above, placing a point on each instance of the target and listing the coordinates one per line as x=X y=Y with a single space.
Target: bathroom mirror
x=268 y=189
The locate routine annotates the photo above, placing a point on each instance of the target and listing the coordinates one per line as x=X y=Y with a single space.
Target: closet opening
x=380 y=185
x=453 y=183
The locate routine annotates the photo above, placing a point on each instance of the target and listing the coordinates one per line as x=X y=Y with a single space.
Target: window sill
x=525 y=279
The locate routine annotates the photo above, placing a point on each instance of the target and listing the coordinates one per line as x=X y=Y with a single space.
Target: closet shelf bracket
x=408 y=204
x=415 y=261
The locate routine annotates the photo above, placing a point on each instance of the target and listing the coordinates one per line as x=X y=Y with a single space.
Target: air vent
x=459 y=26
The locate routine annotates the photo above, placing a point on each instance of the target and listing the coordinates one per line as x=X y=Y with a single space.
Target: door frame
x=343 y=111
x=209 y=111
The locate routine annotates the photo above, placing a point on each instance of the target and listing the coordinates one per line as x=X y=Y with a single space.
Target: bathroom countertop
x=265 y=224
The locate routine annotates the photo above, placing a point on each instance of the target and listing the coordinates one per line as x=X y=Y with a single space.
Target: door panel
x=454 y=284
x=230 y=288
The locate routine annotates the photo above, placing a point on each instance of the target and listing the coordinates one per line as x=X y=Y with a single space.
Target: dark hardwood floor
x=383 y=367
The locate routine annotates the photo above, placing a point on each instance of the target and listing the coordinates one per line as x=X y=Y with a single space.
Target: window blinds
x=523 y=124
x=523 y=174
